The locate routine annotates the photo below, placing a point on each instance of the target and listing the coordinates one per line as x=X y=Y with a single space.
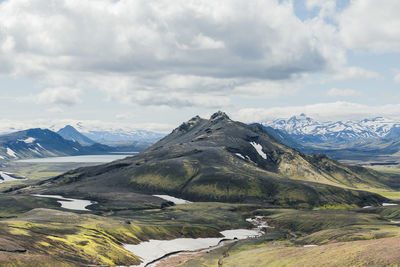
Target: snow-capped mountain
x=306 y=129
x=37 y=143
x=109 y=137
x=112 y=134
x=98 y=131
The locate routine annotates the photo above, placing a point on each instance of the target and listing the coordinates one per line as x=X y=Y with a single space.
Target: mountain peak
x=70 y=133
x=219 y=115
x=69 y=127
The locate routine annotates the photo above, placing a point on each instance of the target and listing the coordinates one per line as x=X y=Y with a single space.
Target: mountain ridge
x=302 y=125
x=222 y=160
x=37 y=143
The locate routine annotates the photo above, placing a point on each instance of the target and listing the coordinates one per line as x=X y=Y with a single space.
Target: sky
x=151 y=64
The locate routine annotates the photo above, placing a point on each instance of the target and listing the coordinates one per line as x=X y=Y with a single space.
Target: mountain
x=35 y=143
x=120 y=136
x=118 y=145
x=70 y=133
x=306 y=129
x=283 y=137
x=223 y=160
x=352 y=140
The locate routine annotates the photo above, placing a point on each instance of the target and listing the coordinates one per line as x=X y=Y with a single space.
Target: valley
x=215 y=192
x=199 y=133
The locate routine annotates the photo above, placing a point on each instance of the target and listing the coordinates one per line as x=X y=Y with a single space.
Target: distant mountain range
x=339 y=131
x=108 y=133
x=37 y=143
x=218 y=159
x=34 y=143
x=339 y=139
x=122 y=142
x=123 y=137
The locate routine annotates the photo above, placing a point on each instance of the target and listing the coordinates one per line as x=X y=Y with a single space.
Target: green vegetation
x=365 y=237
x=383 y=252
x=90 y=239
x=199 y=161
x=307 y=199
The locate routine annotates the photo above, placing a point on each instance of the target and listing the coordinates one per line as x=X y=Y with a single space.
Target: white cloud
x=270 y=89
x=324 y=111
x=205 y=42
x=210 y=46
x=123 y=116
x=60 y=95
x=372 y=25
x=396 y=77
x=348 y=73
x=336 y=92
x=326 y=7
x=55 y=110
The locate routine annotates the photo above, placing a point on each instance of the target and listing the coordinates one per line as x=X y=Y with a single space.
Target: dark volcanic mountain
x=70 y=133
x=37 y=143
x=223 y=160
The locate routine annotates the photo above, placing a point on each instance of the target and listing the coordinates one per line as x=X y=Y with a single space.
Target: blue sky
x=153 y=64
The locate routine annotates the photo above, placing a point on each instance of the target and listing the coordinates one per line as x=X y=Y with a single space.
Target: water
x=152 y=250
x=70 y=203
x=75 y=159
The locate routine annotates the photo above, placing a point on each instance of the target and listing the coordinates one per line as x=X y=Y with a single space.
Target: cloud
x=348 y=73
x=326 y=8
x=123 y=116
x=56 y=110
x=372 y=25
x=61 y=95
x=187 y=52
x=218 y=39
x=210 y=47
x=324 y=111
x=396 y=77
x=335 y=92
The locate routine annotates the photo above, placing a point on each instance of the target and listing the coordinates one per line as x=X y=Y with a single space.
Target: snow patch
x=151 y=250
x=29 y=140
x=11 y=153
x=258 y=148
x=5 y=177
x=309 y=246
x=39 y=145
x=34 y=151
x=70 y=203
x=240 y=155
x=177 y=201
x=389 y=204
